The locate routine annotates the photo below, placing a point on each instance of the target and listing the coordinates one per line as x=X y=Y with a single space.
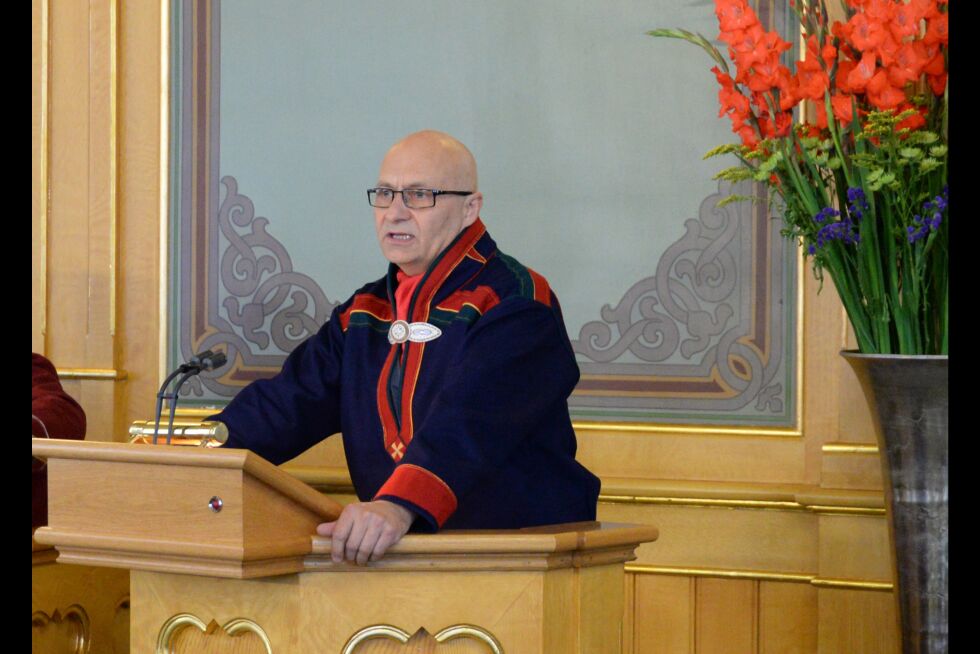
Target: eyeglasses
x=414 y=198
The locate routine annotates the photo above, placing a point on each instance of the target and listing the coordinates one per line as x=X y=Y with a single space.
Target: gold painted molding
x=849 y=448
x=44 y=155
x=104 y=374
x=844 y=510
x=390 y=632
x=743 y=504
x=760 y=575
x=852 y=584
x=703 y=501
x=686 y=430
x=113 y=160
x=181 y=621
x=164 y=182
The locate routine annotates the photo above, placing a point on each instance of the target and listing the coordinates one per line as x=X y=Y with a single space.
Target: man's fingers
x=384 y=542
x=365 y=531
x=354 y=539
x=340 y=532
x=368 y=543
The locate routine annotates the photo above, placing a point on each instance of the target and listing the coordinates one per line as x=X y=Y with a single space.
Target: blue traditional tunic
x=469 y=430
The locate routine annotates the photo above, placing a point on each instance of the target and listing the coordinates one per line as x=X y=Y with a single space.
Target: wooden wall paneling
x=140 y=95
x=68 y=233
x=726 y=616
x=664 y=619
x=629 y=611
x=665 y=455
x=857 y=621
x=713 y=537
x=822 y=337
x=851 y=470
x=787 y=618
x=855 y=547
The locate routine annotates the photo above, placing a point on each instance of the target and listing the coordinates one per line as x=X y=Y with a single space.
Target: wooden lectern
x=222 y=559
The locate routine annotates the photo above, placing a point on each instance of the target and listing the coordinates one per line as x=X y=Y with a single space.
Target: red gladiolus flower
x=866 y=35
x=913 y=122
x=842 y=107
x=748 y=136
x=784 y=121
x=844 y=70
x=734 y=14
x=907 y=67
x=905 y=22
x=732 y=101
x=863 y=72
x=935 y=66
x=882 y=94
x=937 y=30
x=812 y=84
x=937 y=83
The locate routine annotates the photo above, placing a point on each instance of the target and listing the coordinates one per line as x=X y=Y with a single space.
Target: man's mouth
x=399 y=236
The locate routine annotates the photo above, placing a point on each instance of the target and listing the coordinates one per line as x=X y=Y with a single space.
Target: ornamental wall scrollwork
x=264 y=302
x=698 y=315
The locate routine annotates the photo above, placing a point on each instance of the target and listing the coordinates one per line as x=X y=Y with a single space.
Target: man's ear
x=471 y=208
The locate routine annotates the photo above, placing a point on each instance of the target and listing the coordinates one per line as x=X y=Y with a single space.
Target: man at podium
x=448 y=377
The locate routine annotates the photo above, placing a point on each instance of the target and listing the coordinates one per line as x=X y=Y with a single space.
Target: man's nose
x=397 y=210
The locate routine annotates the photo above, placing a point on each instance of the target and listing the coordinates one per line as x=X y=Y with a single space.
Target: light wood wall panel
x=787 y=618
x=96 y=98
x=664 y=614
x=845 y=616
x=726 y=616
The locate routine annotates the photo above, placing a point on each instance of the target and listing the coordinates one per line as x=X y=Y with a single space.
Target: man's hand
x=365 y=530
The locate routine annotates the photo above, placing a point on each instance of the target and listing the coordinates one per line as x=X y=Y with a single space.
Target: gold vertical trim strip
x=801 y=358
x=45 y=47
x=163 y=325
x=113 y=161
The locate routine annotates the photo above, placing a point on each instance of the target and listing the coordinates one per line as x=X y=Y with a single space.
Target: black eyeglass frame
x=435 y=193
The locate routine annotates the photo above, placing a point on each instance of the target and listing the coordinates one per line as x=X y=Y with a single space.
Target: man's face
x=413 y=238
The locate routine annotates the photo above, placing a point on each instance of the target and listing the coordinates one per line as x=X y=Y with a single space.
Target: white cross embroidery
x=396 y=451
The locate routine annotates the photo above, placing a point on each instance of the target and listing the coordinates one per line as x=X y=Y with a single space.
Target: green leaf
x=834 y=163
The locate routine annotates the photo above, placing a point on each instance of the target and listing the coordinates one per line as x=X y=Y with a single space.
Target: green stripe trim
x=520 y=272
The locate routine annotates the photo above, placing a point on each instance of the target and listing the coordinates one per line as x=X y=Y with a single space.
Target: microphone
x=206 y=360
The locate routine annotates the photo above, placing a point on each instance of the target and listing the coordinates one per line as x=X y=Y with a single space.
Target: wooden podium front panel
x=559 y=610
x=141 y=515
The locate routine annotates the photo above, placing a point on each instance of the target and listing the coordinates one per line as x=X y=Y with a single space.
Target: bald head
x=437 y=156
x=413 y=237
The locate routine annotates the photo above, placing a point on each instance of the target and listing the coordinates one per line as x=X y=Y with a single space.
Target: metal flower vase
x=910 y=397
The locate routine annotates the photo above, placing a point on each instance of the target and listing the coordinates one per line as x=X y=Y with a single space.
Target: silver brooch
x=417 y=332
